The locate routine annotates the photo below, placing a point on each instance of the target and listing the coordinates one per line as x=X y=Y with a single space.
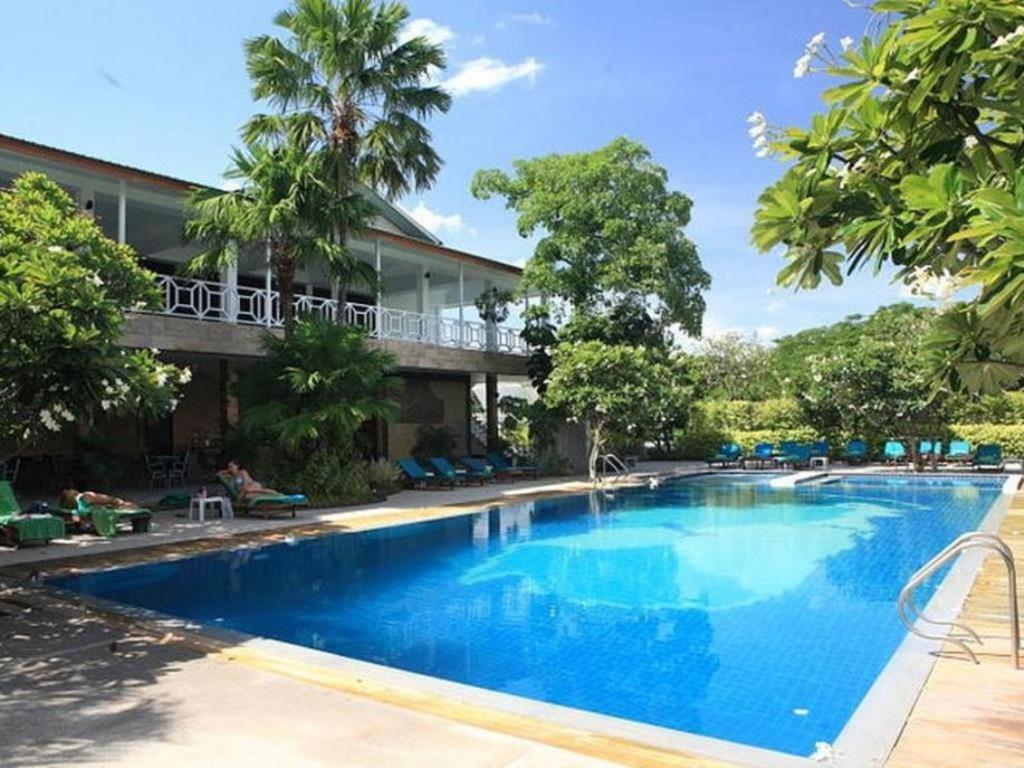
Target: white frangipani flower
x=912 y=75
x=846 y=43
x=1004 y=40
x=760 y=133
x=802 y=66
x=816 y=42
x=938 y=287
x=756 y=118
x=970 y=142
x=49 y=421
x=185 y=375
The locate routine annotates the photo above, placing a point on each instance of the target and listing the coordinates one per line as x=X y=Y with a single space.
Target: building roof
x=423 y=240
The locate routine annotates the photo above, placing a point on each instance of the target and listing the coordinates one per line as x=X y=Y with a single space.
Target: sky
x=162 y=86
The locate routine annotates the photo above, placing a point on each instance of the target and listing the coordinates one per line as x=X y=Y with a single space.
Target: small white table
x=197 y=507
x=819 y=462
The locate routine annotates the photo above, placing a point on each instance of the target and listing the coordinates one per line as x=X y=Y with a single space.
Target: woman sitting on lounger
x=69 y=500
x=245 y=486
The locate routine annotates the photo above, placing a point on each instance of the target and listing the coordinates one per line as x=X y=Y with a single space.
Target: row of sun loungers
x=793 y=454
x=473 y=471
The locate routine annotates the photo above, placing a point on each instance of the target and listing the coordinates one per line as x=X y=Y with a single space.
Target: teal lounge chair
x=501 y=464
x=894 y=452
x=819 y=449
x=856 y=452
x=959 y=452
x=445 y=469
x=19 y=529
x=264 y=503
x=989 y=456
x=763 y=455
x=418 y=477
x=797 y=456
x=729 y=455
x=479 y=467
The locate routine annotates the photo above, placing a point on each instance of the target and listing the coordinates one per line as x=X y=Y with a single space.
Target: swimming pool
x=715 y=605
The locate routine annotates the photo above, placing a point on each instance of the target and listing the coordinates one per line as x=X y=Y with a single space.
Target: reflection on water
x=716 y=606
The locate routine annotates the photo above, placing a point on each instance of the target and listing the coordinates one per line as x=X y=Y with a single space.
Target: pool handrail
x=970 y=540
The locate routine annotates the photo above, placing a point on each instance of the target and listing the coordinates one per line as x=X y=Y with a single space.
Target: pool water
x=718 y=605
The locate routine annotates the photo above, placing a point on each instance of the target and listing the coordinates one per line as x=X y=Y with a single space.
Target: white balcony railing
x=217 y=302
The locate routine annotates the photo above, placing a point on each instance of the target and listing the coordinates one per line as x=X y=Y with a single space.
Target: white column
x=229 y=276
x=462 y=304
x=378 y=264
x=122 y=212
x=268 y=285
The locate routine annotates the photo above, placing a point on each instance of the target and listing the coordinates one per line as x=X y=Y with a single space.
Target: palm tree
x=283 y=201
x=351 y=85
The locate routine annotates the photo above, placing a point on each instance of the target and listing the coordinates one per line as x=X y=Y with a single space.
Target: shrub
x=1009 y=436
x=384 y=477
x=328 y=479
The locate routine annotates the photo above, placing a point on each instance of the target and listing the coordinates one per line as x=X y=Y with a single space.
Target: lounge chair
x=894 y=452
x=989 y=456
x=444 y=468
x=263 y=503
x=480 y=467
x=21 y=529
x=798 y=455
x=764 y=454
x=856 y=452
x=729 y=455
x=819 y=449
x=501 y=464
x=105 y=520
x=959 y=452
x=418 y=477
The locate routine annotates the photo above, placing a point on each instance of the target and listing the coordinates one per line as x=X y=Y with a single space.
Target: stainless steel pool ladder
x=959 y=634
x=613 y=462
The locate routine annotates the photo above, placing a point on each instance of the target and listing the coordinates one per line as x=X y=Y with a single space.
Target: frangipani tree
x=915 y=162
x=64 y=289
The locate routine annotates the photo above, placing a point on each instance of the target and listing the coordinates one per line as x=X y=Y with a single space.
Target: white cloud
x=765 y=333
x=774 y=305
x=438 y=222
x=486 y=74
x=436 y=33
x=533 y=18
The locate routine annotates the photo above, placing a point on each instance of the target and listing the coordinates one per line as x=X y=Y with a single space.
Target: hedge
x=1009 y=436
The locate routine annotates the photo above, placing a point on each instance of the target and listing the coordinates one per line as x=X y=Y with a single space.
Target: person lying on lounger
x=245 y=486
x=69 y=500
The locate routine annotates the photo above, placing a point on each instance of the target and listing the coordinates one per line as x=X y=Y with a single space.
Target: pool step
x=815 y=476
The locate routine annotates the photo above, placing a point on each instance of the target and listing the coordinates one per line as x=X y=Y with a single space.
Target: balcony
x=223 y=303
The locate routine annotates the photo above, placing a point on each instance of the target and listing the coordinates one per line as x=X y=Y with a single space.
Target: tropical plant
x=64 y=289
x=313 y=391
x=622 y=393
x=611 y=231
x=433 y=441
x=283 y=201
x=915 y=162
x=353 y=84
x=735 y=368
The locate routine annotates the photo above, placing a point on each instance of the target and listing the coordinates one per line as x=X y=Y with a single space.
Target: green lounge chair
x=481 y=467
x=729 y=455
x=263 y=504
x=856 y=452
x=21 y=529
x=959 y=452
x=501 y=464
x=444 y=468
x=989 y=456
x=105 y=520
x=418 y=477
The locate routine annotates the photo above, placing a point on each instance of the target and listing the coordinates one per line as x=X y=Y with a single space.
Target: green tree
x=356 y=87
x=622 y=393
x=64 y=289
x=611 y=231
x=735 y=368
x=916 y=162
x=312 y=392
x=284 y=201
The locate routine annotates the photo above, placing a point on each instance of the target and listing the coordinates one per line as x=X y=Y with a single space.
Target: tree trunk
x=595 y=449
x=286 y=289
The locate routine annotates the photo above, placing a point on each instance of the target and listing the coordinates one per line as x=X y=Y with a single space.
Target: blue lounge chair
x=479 y=467
x=819 y=449
x=728 y=455
x=894 y=452
x=959 y=452
x=444 y=468
x=989 y=456
x=856 y=452
x=798 y=455
x=420 y=478
x=501 y=464
x=764 y=454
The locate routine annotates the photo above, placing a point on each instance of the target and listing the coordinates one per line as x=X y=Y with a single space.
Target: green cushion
x=39 y=528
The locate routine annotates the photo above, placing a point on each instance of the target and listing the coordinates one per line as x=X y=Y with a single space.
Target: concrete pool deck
x=68 y=697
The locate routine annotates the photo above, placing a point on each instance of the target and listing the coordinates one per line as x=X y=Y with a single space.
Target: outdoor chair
x=501 y=464
x=480 y=467
x=264 y=503
x=178 y=470
x=156 y=470
x=959 y=452
x=763 y=455
x=105 y=520
x=797 y=456
x=894 y=452
x=989 y=456
x=18 y=528
x=418 y=477
x=856 y=452
x=729 y=455
x=444 y=468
